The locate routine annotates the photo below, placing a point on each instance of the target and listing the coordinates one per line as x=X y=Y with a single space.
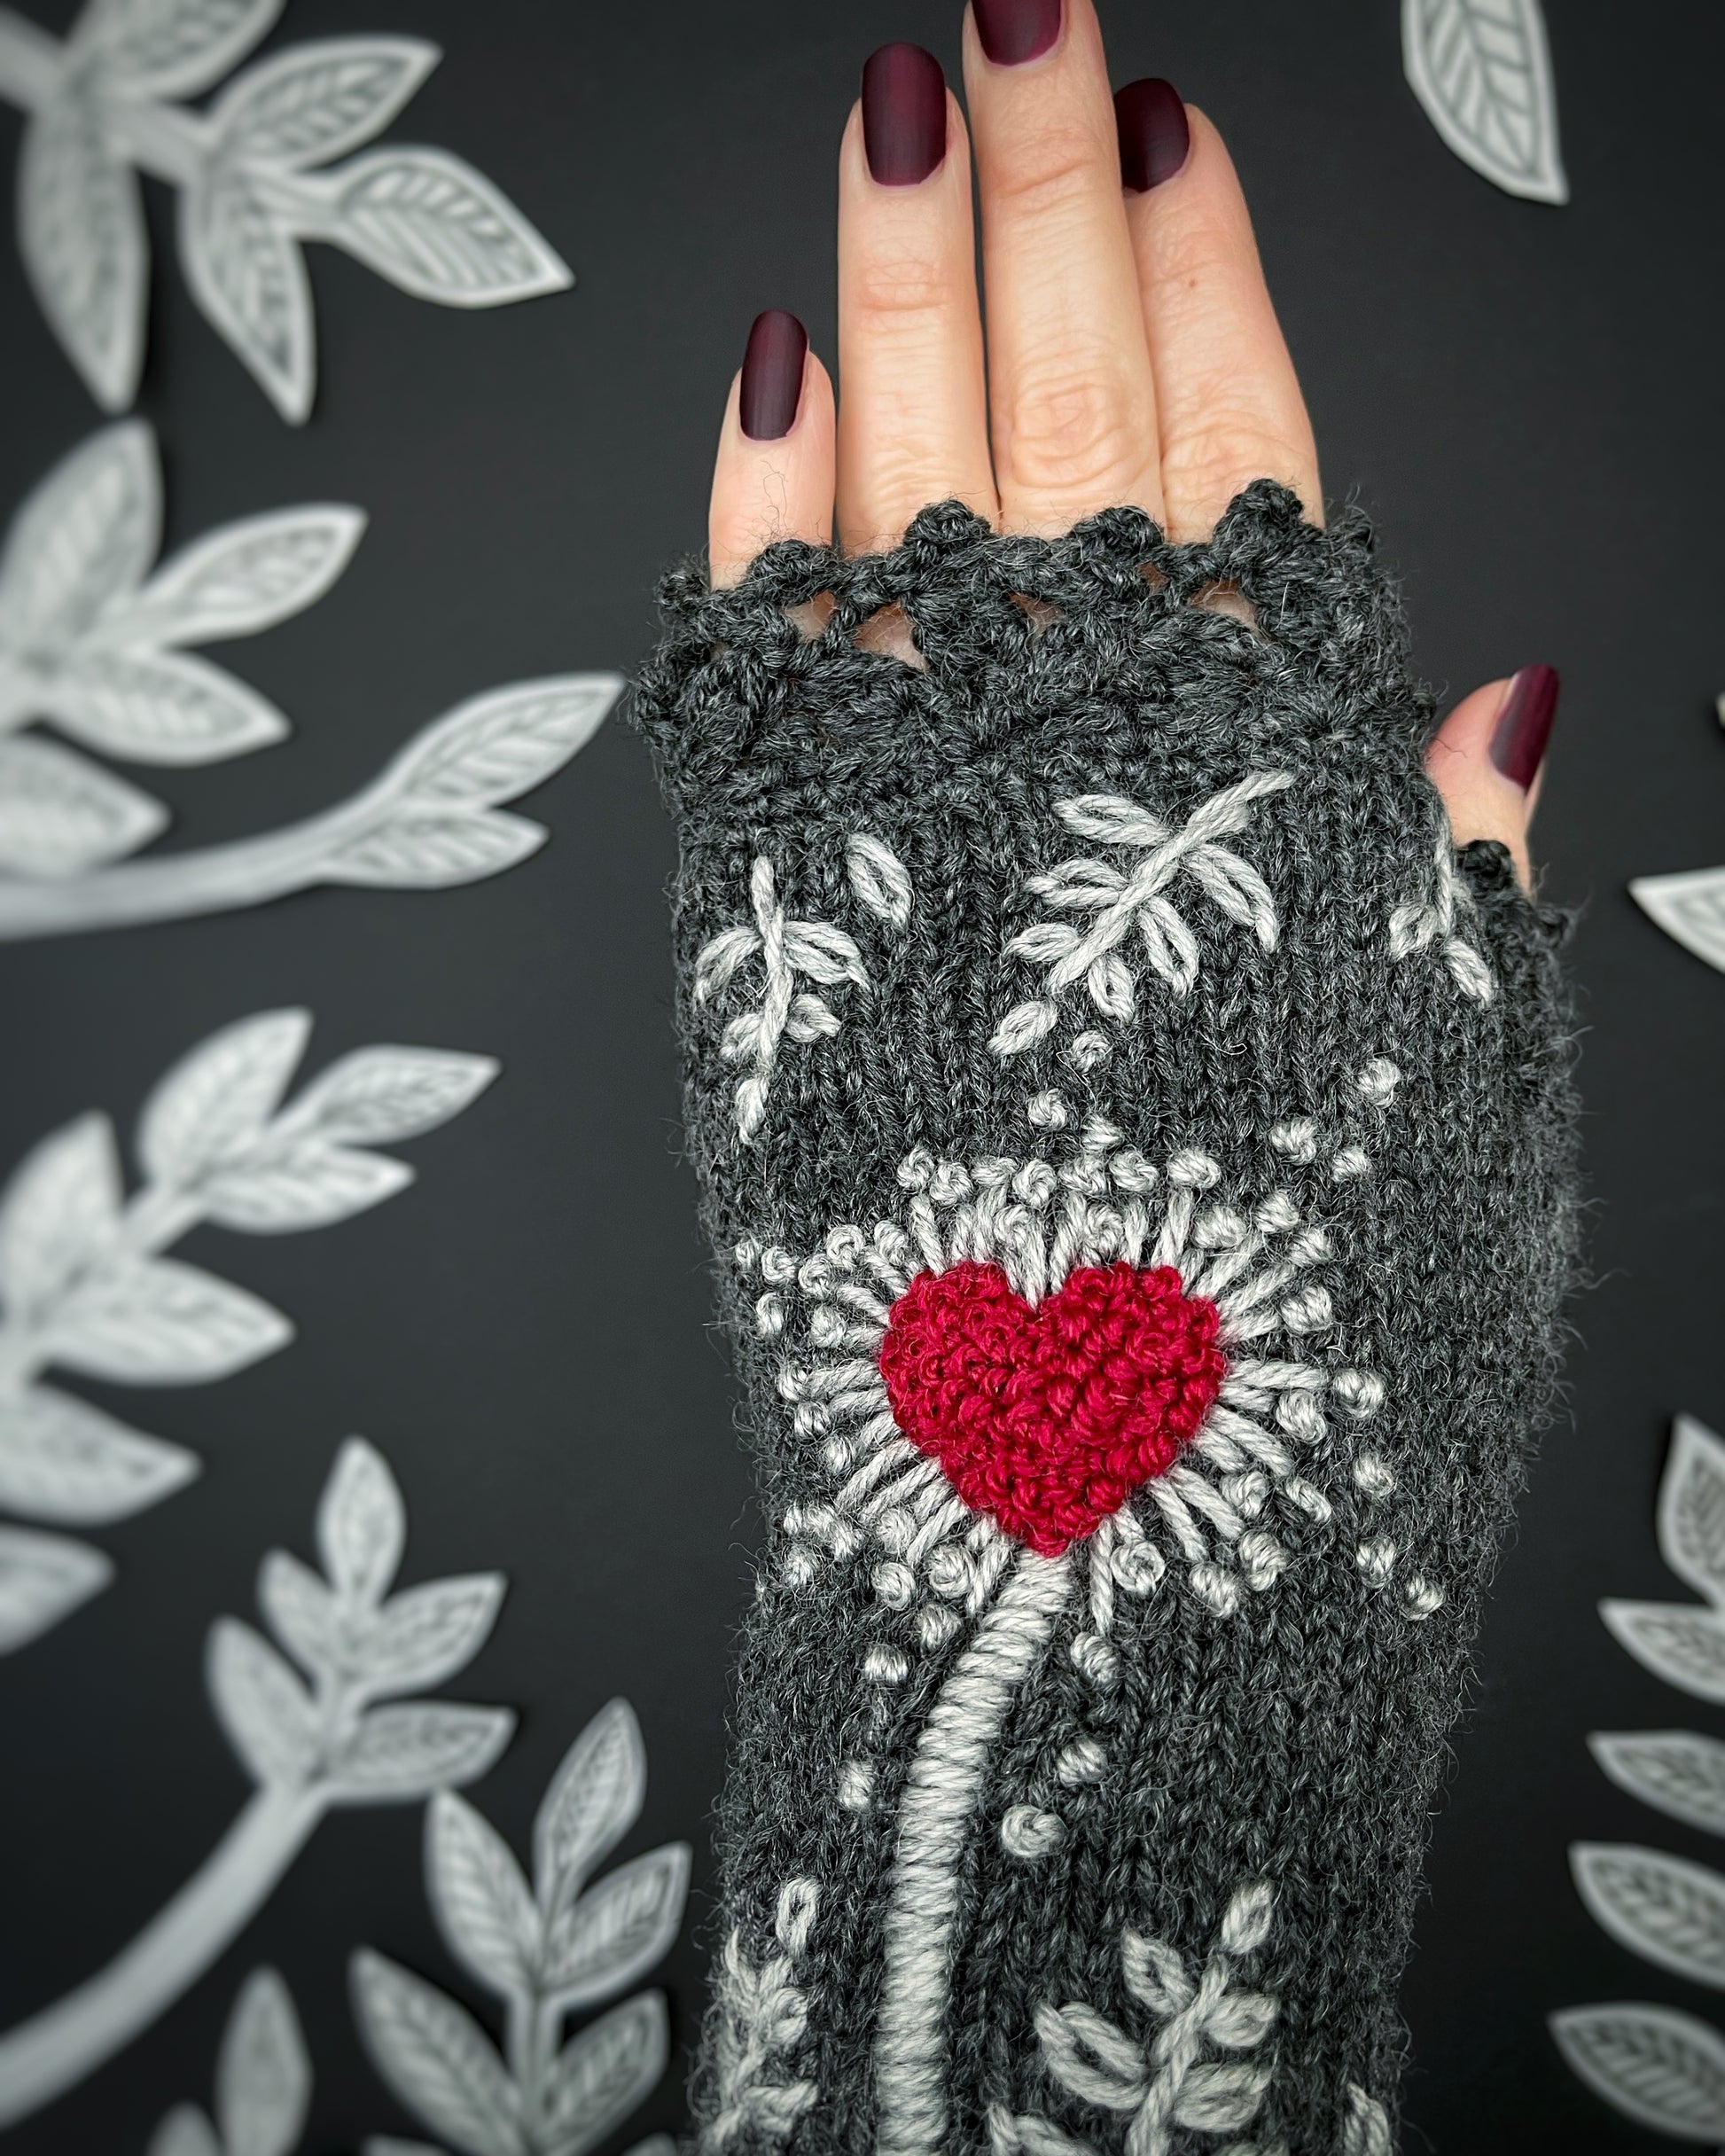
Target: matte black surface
x=1526 y=398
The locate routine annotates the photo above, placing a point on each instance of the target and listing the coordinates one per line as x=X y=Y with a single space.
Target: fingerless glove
x=1138 y=1151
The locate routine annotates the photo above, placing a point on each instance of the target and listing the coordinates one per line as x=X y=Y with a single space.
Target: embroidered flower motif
x=1165 y=2081
x=1417 y=924
x=787 y=948
x=1120 y=901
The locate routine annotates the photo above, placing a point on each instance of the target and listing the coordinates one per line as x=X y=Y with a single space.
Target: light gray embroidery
x=1421 y=924
x=1660 y=2067
x=257 y=173
x=546 y=1950
x=1482 y=71
x=879 y=879
x=1366 y=2130
x=1690 y=907
x=762 y=2017
x=262 y=2082
x=1122 y=901
x=84 y=1285
x=309 y=1742
x=786 y=948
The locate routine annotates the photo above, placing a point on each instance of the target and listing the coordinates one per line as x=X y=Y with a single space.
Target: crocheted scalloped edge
x=1113 y=600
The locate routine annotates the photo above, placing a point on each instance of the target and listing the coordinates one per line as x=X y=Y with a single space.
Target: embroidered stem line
x=940 y=1802
x=763 y=2016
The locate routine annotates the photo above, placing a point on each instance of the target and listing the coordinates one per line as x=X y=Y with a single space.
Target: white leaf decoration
x=242 y=578
x=43 y=1579
x=361 y=1524
x=174 y=48
x=1674 y=1770
x=439 y=230
x=380 y=1096
x=318 y=100
x=1690 y=908
x=58 y=1211
x=1692 y=1514
x=425 y=1634
x=61 y=814
x=605 y=2072
x=64 y=1461
x=302 y=1611
x=1482 y=71
x=215 y=1101
x=159 y=1321
x=246 y=273
x=405 y=1752
x=1663 y=2069
x=414 y=852
x=436 y=2058
x=162 y=707
x=1677 y=1642
x=595 y=1797
x=1668 y=1911
x=83 y=540
x=263 y=2077
x=481 y=1900
x=309 y=1186
x=81 y=227
x=267 y=1714
x=619 y=1929
x=185 y=2131
x=497 y=745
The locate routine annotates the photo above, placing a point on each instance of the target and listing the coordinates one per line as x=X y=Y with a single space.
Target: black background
x=1526 y=400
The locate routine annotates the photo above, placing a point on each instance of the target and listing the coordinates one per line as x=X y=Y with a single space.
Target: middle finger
x=1071 y=397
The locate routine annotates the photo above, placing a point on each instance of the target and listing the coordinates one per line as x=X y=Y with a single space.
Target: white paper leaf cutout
x=81 y=227
x=302 y=1610
x=270 y=1718
x=185 y=2131
x=262 y=2077
x=161 y=1322
x=1690 y=908
x=319 y=100
x=241 y=579
x=246 y=273
x=1674 y=1770
x=1668 y=1911
x=439 y=230
x=361 y=1524
x=1663 y=2069
x=43 y=1579
x=497 y=745
x=482 y=1903
x=619 y=1929
x=162 y=707
x=437 y=2059
x=82 y=541
x=57 y=1213
x=405 y=1751
x=1482 y=71
x=61 y=814
x=411 y=851
x=607 y=2070
x=174 y=48
x=425 y=1634
x=1692 y=1514
x=214 y=1105
x=1681 y=1644
x=379 y=1096
x=66 y=1462
x=593 y=1798
x=308 y=1185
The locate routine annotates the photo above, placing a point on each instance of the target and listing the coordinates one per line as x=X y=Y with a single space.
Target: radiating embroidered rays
x=1168 y=2082
x=825 y=954
x=1122 y=900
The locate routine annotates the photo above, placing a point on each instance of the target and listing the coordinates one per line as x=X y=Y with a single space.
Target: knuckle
x=1210 y=462
x=1073 y=434
x=1046 y=172
x=898 y=284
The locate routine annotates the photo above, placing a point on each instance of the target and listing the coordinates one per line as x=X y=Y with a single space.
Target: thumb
x=1486 y=758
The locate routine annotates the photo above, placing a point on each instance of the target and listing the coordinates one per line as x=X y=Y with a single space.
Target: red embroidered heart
x=1048 y=1419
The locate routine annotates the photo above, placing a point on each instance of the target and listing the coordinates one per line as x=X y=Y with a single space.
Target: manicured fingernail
x=1155 y=139
x=1014 y=31
x=904 y=115
x=772 y=375
x=1524 y=724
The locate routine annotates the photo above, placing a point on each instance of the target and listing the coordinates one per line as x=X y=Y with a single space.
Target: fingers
x=1073 y=402
x=1228 y=405
x=774 y=470
x=913 y=422
x=1488 y=757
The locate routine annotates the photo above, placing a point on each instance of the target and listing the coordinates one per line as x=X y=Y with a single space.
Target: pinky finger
x=774 y=477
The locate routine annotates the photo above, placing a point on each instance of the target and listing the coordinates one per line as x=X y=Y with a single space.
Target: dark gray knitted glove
x=1139 y=1153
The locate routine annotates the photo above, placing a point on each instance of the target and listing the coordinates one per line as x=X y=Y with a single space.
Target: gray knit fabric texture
x=1078 y=1799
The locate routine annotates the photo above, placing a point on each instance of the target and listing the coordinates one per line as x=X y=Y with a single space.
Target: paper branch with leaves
x=1663 y=2068
x=325 y=1716
x=262 y=2082
x=94 y=643
x=546 y=1949
x=264 y=167
x=85 y=1284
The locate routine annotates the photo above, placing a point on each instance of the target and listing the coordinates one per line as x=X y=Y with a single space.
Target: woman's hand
x=1133 y=353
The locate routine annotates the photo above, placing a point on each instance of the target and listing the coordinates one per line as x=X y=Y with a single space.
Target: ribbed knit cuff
x=1139 y=1155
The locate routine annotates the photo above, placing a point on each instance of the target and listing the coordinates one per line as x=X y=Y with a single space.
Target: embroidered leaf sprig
x=1662 y=2068
x=1122 y=901
x=84 y=1285
x=1483 y=73
x=319 y=1719
x=762 y=2017
x=262 y=2082
x=547 y=1948
x=1426 y=923
x=258 y=173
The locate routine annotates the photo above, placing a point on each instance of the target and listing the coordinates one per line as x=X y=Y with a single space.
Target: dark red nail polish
x=1014 y=31
x=904 y=115
x=1155 y=139
x=1524 y=725
x=772 y=375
